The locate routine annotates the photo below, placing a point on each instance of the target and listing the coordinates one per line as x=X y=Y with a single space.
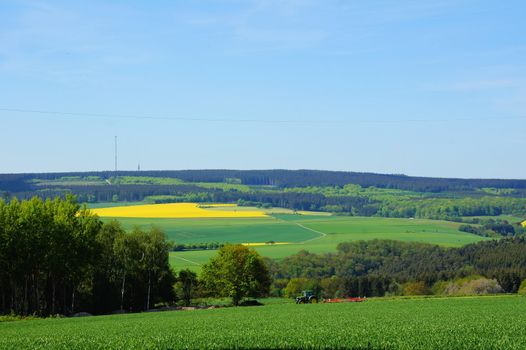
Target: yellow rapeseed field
x=175 y=211
x=262 y=244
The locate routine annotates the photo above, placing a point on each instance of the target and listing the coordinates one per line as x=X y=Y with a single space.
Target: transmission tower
x=115 y=155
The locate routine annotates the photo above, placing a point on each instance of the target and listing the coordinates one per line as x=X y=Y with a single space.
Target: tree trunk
x=73 y=301
x=235 y=299
x=10 y=293
x=53 y=297
x=122 y=291
x=64 y=304
x=149 y=289
x=3 y=301
x=37 y=297
x=26 y=302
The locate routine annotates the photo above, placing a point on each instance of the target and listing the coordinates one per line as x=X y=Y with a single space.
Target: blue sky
x=430 y=88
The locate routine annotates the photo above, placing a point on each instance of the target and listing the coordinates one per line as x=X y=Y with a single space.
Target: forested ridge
x=282 y=179
x=343 y=193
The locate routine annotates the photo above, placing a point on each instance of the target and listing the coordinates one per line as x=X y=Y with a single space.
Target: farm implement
x=308 y=297
x=344 y=300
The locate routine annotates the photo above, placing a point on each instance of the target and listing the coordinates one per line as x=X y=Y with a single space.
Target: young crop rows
x=447 y=323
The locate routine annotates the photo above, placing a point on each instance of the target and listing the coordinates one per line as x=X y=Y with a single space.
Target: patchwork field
x=188 y=223
x=327 y=232
x=232 y=230
x=445 y=323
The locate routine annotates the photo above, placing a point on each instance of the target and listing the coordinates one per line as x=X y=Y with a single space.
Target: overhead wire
x=255 y=120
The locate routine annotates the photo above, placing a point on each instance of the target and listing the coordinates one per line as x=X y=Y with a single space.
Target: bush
x=480 y=286
x=415 y=288
x=439 y=288
x=394 y=289
x=297 y=285
x=522 y=288
x=332 y=287
x=471 y=285
x=277 y=288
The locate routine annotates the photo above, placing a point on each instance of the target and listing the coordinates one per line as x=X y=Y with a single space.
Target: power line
x=235 y=120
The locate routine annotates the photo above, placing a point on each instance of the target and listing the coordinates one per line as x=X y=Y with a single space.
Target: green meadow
x=232 y=230
x=311 y=231
x=321 y=234
x=417 y=323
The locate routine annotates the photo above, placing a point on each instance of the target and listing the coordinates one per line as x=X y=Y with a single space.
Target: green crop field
x=232 y=230
x=329 y=231
x=315 y=232
x=445 y=323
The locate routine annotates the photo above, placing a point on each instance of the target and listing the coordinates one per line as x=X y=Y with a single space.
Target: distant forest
x=343 y=193
x=282 y=179
x=382 y=267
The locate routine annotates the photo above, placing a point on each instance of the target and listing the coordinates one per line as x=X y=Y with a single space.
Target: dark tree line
x=55 y=257
x=283 y=179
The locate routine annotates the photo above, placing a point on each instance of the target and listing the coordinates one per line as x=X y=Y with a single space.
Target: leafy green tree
x=415 y=288
x=108 y=271
x=332 y=287
x=56 y=257
x=236 y=272
x=297 y=285
x=186 y=284
x=129 y=256
x=155 y=259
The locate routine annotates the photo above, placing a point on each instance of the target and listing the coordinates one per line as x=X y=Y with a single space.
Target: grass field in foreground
x=329 y=231
x=442 y=323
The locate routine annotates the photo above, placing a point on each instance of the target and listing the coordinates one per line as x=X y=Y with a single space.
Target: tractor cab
x=307 y=297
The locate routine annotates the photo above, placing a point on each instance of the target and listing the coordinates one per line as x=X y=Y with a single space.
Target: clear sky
x=431 y=88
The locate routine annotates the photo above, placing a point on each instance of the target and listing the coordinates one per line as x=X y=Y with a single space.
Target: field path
x=190 y=261
x=322 y=234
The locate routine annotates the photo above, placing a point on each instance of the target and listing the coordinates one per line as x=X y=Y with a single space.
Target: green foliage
x=223 y=186
x=70 y=181
x=237 y=272
x=55 y=257
x=44 y=243
x=13 y=317
x=332 y=287
x=144 y=180
x=186 y=285
x=345 y=193
x=470 y=285
x=295 y=286
x=415 y=288
x=438 y=323
x=378 y=267
x=522 y=288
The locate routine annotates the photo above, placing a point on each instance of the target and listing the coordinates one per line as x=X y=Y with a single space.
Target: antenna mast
x=115 y=155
